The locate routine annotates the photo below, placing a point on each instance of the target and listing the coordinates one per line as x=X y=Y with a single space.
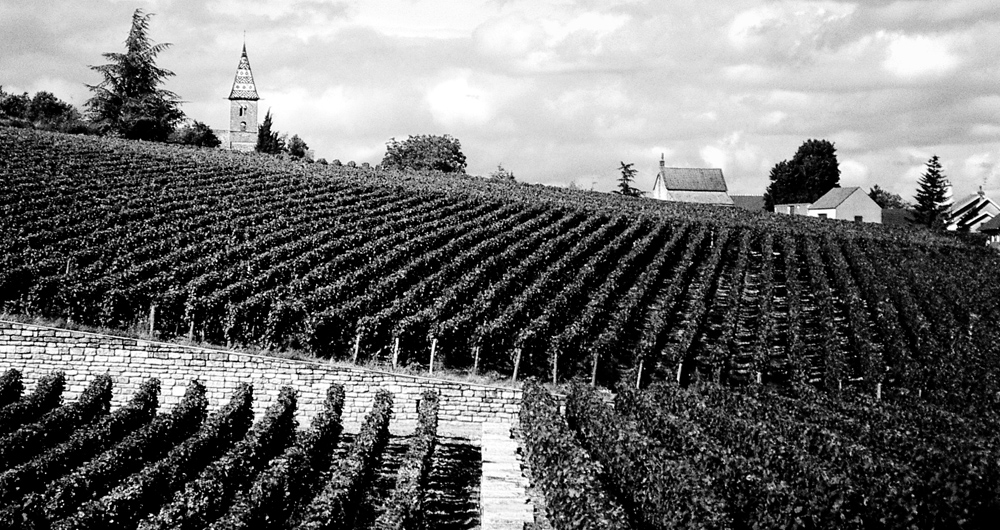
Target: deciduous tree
x=297 y=147
x=886 y=199
x=129 y=101
x=425 y=152
x=197 y=133
x=812 y=172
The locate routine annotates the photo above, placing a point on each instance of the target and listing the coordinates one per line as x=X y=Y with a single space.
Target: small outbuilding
x=851 y=204
x=792 y=208
x=752 y=203
x=698 y=185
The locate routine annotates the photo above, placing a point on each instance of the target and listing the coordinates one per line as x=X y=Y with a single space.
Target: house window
x=822 y=216
x=243 y=126
x=243 y=110
x=859 y=218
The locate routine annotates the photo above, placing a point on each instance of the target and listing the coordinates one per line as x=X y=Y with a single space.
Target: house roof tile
x=833 y=198
x=692 y=179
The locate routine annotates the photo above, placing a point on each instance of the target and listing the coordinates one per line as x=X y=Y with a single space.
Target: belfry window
x=243 y=126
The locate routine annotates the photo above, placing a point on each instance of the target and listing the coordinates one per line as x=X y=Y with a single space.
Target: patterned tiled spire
x=243 y=86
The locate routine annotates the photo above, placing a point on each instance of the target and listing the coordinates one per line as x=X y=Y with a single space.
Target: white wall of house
x=857 y=207
x=801 y=208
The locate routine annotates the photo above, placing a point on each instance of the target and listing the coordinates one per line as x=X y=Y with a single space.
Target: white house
x=700 y=185
x=851 y=204
x=969 y=214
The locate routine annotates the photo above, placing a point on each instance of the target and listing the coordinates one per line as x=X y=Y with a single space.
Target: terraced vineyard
x=75 y=466
x=557 y=284
x=876 y=347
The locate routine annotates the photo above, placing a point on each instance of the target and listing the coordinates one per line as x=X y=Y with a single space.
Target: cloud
x=562 y=91
x=454 y=102
x=853 y=173
x=920 y=55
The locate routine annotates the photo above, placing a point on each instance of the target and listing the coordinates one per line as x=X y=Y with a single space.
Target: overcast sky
x=562 y=91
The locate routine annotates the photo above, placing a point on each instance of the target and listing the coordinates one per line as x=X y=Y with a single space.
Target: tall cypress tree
x=129 y=102
x=268 y=141
x=932 y=198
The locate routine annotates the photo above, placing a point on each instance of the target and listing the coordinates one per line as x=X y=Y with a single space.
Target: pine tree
x=129 y=102
x=932 y=197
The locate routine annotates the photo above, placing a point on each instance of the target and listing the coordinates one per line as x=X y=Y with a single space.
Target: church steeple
x=243 y=108
x=243 y=85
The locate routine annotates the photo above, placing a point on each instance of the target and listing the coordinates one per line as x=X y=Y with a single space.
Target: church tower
x=243 y=108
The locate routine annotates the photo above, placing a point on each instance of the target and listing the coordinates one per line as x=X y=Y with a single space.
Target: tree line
x=814 y=170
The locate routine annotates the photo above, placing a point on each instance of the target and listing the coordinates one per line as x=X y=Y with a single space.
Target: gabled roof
x=993 y=225
x=834 y=198
x=754 y=203
x=972 y=212
x=692 y=179
x=243 y=85
x=973 y=203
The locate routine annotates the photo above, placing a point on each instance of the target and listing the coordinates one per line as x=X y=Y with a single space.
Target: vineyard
x=708 y=457
x=77 y=465
x=830 y=374
x=501 y=277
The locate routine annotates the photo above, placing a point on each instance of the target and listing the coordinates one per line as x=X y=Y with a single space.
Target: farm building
x=847 y=203
x=699 y=185
x=969 y=214
x=751 y=203
x=898 y=217
x=797 y=208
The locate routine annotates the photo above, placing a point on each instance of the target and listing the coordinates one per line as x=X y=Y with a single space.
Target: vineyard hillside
x=558 y=284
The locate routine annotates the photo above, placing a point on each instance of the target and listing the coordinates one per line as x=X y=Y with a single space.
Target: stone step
x=504 y=503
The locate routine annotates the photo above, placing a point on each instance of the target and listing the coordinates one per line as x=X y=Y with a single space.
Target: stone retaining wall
x=38 y=350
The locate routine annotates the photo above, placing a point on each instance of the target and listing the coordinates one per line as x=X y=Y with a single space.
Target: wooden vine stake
x=475 y=362
x=395 y=352
x=152 y=318
x=555 y=367
x=191 y=331
x=759 y=377
x=434 y=344
x=638 y=373
x=357 y=346
x=878 y=391
x=680 y=365
x=593 y=371
x=517 y=364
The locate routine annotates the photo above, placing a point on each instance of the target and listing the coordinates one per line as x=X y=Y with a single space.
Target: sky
x=563 y=91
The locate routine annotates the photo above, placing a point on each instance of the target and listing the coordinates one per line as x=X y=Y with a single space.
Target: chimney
x=662 y=161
